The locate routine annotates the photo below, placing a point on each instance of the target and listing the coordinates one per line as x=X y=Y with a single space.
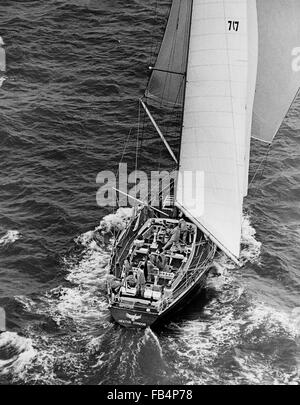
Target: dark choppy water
x=75 y=70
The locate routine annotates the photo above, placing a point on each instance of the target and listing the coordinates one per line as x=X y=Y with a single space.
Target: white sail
x=252 y=74
x=215 y=121
x=278 y=74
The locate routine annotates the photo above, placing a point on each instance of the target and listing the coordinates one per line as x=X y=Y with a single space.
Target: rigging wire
x=154 y=44
x=142 y=138
x=122 y=156
x=125 y=148
x=263 y=165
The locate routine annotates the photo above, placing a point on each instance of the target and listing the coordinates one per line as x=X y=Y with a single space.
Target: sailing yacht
x=233 y=67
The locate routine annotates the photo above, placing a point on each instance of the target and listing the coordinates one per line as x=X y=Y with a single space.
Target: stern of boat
x=133 y=318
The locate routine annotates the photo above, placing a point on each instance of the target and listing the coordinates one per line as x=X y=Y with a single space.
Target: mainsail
x=167 y=82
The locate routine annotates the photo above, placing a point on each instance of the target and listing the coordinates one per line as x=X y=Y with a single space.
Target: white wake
x=10 y=237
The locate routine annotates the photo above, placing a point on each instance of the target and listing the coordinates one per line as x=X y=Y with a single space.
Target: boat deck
x=160 y=279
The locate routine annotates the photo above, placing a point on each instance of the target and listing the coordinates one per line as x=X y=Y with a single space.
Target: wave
x=10 y=237
x=228 y=342
x=111 y=223
x=227 y=271
x=124 y=356
x=251 y=248
x=16 y=353
x=234 y=344
x=118 y=220
x=237 y=340
x=71 y=314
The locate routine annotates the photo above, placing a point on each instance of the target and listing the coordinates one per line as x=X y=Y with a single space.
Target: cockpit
x=155 y=260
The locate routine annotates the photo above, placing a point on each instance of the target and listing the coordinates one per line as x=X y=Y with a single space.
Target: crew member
x=150 y=231
x=140 y=281
x=183 y=229
x=151 y=264
x=127 y=266
x=131 y=280
x=174 y=239
x=162 y=261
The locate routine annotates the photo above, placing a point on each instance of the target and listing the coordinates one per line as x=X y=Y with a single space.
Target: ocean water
x=75 y=70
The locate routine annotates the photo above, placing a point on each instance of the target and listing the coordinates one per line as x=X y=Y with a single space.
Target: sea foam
x=10 y=237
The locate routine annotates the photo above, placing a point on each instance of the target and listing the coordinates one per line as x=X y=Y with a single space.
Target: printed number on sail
x=233 y=25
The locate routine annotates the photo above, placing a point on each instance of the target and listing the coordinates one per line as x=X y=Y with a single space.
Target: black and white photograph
x=149 y=195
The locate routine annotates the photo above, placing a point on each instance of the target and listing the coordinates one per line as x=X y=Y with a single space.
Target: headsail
x=214 y=126
x=278 y=75
x=166 y=84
